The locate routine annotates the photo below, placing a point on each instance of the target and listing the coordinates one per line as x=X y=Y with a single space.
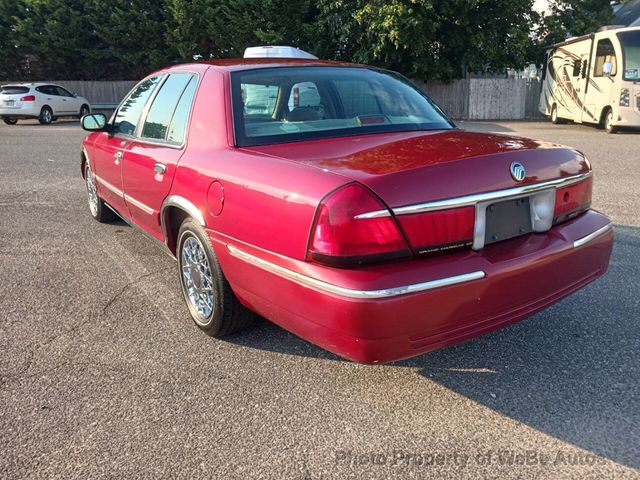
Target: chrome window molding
x=143 y=117
x=329 y=288
x=470 y=200
x=593 y=235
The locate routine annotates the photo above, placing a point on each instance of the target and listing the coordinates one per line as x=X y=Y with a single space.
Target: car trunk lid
x=409 y=168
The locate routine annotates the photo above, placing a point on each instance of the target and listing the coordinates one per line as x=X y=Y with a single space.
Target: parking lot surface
x=104 y=375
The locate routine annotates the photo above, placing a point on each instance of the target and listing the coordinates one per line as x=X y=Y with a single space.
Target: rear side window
x=128 y=115
x=178 y=125
x=13 y=90
x=159 y=117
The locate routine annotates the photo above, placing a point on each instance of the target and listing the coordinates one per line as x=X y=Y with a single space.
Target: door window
x=180 y=118
x=61 y=91
x=161 y=111
x=128 y=115
x=606 y=63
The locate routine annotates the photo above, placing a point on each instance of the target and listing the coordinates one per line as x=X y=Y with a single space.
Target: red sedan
x=339 y=202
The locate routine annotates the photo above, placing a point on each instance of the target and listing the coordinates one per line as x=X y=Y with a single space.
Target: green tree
x=10 y=56
x=426 y=38
x=570 y=18
x=57 y=37
x=218 y=29
x=132 y=36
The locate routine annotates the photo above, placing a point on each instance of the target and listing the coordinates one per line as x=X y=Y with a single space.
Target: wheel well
x=173 y=218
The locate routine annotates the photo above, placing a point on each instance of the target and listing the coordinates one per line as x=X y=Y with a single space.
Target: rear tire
x=98 y=209
x=608 y=121
x=212 y=304
x=46 y=116
x=10 y=121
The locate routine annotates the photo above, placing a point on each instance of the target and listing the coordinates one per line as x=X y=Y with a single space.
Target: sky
x=541 y=5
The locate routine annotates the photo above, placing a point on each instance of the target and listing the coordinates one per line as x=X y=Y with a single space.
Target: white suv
x=44 y=101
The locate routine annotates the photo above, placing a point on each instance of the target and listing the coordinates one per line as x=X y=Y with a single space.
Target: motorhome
x=594 y=79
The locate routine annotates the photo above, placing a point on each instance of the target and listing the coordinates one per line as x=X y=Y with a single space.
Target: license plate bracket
x=507 y=219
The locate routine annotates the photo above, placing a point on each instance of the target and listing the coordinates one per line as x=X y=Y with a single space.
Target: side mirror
x=607 y=68
x=94 y=122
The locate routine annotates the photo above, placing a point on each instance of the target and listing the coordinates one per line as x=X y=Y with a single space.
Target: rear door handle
x=160 y=168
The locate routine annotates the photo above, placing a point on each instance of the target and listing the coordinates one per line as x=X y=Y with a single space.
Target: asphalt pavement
x=104 y=375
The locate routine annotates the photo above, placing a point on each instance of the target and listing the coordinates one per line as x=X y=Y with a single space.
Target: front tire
x=84 y=110
x=212 y=304
x=97 y=207
x=46 y=116
x=10 y=121
x=555 y=119
x=608 y=122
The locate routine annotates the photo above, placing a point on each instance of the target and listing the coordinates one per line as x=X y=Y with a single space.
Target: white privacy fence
x=467 y=99
x=487 y=98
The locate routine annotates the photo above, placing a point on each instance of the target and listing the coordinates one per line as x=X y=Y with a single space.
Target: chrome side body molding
x=329 y=288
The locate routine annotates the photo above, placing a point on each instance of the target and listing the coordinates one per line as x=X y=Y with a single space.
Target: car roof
x=235 y=64
x=28 y=84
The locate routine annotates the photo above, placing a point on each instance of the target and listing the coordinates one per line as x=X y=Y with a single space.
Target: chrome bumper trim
x=592 y=235
x=325 y=287
x=470 y=200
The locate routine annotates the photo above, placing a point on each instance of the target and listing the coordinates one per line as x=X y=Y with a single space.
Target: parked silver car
x=44 y=101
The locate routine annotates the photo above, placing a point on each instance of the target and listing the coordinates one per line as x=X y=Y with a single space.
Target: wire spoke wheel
x=92 y=193
x=197 y=278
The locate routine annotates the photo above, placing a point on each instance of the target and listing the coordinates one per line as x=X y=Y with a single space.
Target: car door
x=151 y=158
x=67 y=101
x=110 y=147
x=50 y=98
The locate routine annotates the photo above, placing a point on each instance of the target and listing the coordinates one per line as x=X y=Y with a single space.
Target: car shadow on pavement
x=570 y=371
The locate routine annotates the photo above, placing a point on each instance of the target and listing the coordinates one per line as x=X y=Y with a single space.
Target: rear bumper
x=19 y=112
x=389 y=312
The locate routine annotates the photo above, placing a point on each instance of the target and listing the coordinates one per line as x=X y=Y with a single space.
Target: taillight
x=340 y=238
x=572 y=200
x=28 y=98
x=441 y=230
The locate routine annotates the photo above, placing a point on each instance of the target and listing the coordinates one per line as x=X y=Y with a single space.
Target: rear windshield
x=12 y=89
x=285 y=104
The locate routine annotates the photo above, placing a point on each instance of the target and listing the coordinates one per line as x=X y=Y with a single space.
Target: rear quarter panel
x=268 y=202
